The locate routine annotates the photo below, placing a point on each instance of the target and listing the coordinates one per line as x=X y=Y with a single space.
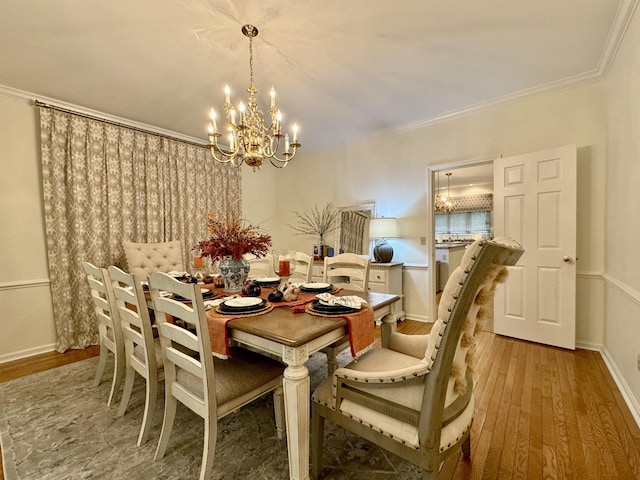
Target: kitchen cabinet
x=448 y=257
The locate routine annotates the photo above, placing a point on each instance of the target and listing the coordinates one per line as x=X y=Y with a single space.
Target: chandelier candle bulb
x=227 y=93
x=295 y=133
x=273 y=97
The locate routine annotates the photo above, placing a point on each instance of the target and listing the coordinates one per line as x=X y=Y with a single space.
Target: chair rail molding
x=36 y=282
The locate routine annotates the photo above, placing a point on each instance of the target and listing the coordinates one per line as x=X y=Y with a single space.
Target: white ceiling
x=342 y=69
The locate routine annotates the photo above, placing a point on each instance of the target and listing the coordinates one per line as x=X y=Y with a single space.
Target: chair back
x=196 y=389
x=260 y=267
x=134 y=318
x=144 y=258
x=348 y=270
x=302 y=267
x=447 y=401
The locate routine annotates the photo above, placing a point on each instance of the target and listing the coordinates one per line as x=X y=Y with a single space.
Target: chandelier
x=442 y=203
x=250 y=140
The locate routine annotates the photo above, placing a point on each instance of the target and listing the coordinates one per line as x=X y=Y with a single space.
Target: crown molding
x=30 y=98
x=619 y=26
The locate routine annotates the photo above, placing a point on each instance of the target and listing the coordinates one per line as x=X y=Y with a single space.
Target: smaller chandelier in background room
x=250 y=140
x=442 y=203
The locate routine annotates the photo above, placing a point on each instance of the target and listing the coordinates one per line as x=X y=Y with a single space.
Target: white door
x=535 y=204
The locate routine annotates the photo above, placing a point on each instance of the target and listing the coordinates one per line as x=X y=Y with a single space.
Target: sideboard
x=383 y=278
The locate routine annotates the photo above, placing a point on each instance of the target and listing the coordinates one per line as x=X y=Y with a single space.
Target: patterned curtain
x=352 y=225
x=104 y=183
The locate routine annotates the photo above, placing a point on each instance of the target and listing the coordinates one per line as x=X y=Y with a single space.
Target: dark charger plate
x=316 y=306
x=242 y=309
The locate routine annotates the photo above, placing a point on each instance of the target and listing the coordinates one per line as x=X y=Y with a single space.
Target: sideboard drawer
x=377 y=276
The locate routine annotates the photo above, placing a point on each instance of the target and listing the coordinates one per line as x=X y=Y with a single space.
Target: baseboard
x=10 y=357
x=628 y=396
x=596 y=347
x=416 y=317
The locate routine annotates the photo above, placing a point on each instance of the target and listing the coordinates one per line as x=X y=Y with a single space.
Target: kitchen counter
x=452 y=244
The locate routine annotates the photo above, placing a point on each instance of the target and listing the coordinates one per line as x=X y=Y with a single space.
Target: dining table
x=293 y=338
x=292 y=335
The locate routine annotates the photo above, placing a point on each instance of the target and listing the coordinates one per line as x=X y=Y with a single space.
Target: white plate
x=315 y=285
x=268 y=279
x=204 y=290
x=243 y=302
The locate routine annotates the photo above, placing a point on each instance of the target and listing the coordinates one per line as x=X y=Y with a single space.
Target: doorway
x=468 y=178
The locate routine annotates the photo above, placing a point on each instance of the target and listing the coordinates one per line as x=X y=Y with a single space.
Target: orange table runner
x=361 y=329
x=361 y=325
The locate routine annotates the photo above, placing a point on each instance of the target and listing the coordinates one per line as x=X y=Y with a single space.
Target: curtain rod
x=38 y=103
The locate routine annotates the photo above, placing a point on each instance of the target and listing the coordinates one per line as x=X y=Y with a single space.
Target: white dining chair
x=348 y=271
x=143 y=355
x=301 y=268
x=260 y=267
x=210 y=387
x=109 y=328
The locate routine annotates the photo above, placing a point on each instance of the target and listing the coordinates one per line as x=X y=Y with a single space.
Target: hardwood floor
x=541 y=412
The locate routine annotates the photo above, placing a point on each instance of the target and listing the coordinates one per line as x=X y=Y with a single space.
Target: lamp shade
x=383 y=228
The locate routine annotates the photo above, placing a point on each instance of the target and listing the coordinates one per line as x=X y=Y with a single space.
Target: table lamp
x=380 y=229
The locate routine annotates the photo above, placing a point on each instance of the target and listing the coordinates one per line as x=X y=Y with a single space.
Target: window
x=463 y=222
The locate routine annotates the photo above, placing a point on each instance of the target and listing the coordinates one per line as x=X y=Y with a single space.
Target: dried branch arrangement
x=317 y=222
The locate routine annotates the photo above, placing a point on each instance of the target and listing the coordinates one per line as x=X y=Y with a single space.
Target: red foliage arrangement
x=234 y=237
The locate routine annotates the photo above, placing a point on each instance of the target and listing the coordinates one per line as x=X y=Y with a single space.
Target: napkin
x=351 y=301
x=214 y=303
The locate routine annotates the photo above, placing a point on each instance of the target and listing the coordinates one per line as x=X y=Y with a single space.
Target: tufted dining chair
x=349 y=271
x=211 y=388
x=109 y=329
x=144 y=258
x=142 y=352
x=414 y=396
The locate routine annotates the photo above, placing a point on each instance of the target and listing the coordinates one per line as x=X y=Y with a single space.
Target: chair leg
x=332 y=361
x=118 y=375
x=102 y=361
x=466 y=447
x=170 y=405
x=149 y=408
x=317 y=439
x=209 y=450
x=129 y=380
x=278 y=410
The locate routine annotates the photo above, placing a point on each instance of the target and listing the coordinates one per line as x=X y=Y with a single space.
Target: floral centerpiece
x=228 y=241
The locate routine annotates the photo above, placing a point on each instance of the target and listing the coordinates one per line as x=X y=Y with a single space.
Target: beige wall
x=622 y=261
x=26 y=318
x=392 y=171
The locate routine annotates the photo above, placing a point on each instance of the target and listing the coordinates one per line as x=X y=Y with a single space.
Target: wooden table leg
x=297 y=399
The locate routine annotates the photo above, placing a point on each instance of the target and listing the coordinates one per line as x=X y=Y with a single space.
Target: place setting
x=207 y=294
x=242 y=306
x=328 y=304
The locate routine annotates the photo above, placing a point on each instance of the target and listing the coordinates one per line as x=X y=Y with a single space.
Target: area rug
x=55 y=425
